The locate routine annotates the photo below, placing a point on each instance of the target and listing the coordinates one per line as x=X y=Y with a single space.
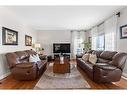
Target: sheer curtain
x=77 y=37
x=94 y=35
x=101 y=37
x=104 y=35
x=110 y=29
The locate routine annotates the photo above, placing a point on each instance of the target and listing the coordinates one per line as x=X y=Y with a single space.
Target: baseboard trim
x=4 y=75
x=125 y=75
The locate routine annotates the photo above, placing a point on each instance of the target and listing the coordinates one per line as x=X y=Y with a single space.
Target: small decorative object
x=123 y=32
x=9 y=37
x=28 y=40
x=37 y=47
x=61 y=60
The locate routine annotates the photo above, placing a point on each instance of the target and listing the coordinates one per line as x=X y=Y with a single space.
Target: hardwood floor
x=10 y=83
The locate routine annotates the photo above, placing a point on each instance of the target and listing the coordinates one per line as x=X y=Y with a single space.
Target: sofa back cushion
x=108 y=55
x=11 y=59
x=18 y=57
x=119 y=60
x=90 y=51
x=97 y=52
x=21 y=55
x=30 y=52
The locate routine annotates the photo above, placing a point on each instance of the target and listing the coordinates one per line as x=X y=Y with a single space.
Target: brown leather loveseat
x=21 y=68
x=108 y=68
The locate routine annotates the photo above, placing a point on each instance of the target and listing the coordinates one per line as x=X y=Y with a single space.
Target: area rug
x=72 y=80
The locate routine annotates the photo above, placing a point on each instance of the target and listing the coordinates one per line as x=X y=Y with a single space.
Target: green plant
x=40 y=49
x=87 y=46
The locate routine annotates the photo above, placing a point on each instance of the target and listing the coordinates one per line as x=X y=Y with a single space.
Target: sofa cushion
x=24 y=65
x=85 y=57
x=25 y=60
x=102 y=64
x=97 y=53
x=107 y=67
x=93 y=58
x=37 y=57
x=21 y=54
x=90 y=51
x=32 y=59
x=87 y=66
x=100 y=60
x=30 y=52
x=119 y=60
x=107 y=54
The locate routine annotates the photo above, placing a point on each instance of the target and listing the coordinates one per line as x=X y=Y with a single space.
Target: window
x=104 y=35
x=101 y=42
x=77 y=37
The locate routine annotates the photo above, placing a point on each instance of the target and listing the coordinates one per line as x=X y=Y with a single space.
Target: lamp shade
x=37 y=45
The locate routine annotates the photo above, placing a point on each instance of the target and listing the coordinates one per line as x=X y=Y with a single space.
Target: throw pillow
x=93 y=58
x=37 y=57
x=32 y=59
x=85 y=57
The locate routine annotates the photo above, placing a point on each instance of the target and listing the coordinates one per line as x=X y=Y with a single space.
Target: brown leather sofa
x=21 y=68
x=108 y=68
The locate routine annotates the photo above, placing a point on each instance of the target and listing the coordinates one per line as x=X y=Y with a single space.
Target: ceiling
x=64 y=17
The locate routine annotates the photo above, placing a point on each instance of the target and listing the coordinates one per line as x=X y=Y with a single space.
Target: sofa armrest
x=24 y=71
x=106 y=73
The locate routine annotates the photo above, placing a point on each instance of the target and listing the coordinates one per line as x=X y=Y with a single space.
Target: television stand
x=67 y=55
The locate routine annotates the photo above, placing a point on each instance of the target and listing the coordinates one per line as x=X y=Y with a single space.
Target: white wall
x=122 y=43
x=122 y=20
x=10 y=20
x=47 y=38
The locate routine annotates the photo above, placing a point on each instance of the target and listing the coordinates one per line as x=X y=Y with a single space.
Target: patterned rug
x=72 y=80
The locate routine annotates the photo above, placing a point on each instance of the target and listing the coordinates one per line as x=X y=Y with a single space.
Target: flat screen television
x=61 y=48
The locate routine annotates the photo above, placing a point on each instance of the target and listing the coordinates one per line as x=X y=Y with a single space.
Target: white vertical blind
x=110 y=29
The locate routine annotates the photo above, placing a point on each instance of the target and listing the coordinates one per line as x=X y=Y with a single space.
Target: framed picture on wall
x=28 y=40
x=123 y=32
x=9 y=36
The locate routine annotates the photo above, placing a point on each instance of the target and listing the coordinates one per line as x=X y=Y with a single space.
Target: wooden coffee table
x=61 y=68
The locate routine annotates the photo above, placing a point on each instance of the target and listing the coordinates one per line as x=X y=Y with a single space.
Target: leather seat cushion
x=107 y=67
x=102 y=64
x=101 y=60
x=24 y=65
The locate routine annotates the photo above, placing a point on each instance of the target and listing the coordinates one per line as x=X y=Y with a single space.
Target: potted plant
x=87 y=46
x=41 y=50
